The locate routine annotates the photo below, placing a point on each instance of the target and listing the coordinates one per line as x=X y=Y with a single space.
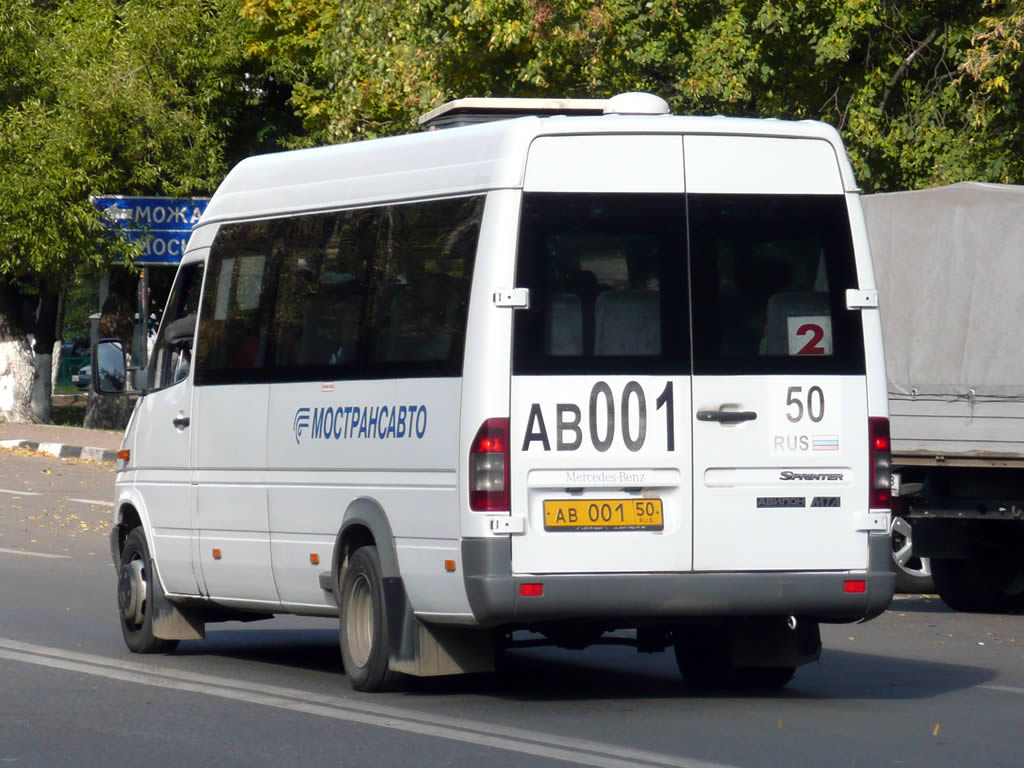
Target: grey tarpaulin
x=949 y=263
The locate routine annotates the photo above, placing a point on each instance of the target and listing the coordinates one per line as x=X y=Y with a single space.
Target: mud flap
x=170 y=622
x=769 y=642
x=426 y=650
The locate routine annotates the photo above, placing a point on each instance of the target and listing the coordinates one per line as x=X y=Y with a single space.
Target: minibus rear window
x=607 y=281
x=770 y=274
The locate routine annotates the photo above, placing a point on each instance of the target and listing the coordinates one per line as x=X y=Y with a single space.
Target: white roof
x=441 y=163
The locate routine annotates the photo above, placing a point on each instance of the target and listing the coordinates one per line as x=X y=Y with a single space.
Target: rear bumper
x=641 y=597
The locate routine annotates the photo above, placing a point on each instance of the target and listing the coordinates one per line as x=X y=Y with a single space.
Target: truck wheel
x=913 y=574
x=135 y=576
x=965 y=585
x=363 y=631
x=980 y=585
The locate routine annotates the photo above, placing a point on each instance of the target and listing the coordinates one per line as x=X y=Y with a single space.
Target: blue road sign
x=161 y=224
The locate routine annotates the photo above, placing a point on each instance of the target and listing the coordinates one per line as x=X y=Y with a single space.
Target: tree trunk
x=46 y=335
x=16 y=365
x=107 y=411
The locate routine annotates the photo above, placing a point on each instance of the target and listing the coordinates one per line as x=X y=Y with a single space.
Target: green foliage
x=924 y=92
x=115 y=97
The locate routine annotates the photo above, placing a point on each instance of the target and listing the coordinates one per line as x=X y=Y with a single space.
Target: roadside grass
x=67 y=410
x=71 y=415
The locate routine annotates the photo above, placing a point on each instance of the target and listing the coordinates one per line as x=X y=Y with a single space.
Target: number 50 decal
x=814 y=408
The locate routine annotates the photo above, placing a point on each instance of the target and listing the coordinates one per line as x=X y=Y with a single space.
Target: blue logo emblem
x=360 y=422
x=301 y=423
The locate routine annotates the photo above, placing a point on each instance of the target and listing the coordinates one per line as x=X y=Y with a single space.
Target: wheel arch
x=365 y=523
x=126 y=520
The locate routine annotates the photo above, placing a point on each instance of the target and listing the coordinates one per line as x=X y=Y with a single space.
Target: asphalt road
x=920 y=686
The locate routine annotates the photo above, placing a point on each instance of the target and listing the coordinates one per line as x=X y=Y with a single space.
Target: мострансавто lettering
x=345 y=422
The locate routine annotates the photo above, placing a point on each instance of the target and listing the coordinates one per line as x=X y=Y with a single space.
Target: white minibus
x=551 y=367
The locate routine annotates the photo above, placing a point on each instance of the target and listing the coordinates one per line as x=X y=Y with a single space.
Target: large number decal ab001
x=601 y=427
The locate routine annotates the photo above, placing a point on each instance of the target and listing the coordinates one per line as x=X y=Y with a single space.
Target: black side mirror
x=109 y=367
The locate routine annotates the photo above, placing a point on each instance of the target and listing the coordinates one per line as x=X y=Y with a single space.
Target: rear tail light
x=488 y=467
x=880 y=461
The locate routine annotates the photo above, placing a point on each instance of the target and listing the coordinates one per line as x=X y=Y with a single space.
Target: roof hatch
x=480 y=110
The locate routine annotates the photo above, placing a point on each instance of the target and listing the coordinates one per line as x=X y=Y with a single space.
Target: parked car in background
x=74 y=347
x=81 y=377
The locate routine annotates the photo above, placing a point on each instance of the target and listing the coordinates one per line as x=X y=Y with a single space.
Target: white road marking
x=20 y=493
x=94 y=501
x=1003 y=688
x=353 y=709
x=33 y=554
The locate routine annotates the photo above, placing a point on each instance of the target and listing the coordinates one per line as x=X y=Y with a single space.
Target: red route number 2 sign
x=810 y=335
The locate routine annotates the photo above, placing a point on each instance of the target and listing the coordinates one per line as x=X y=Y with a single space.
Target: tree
x=922 y=91
x=110 y=96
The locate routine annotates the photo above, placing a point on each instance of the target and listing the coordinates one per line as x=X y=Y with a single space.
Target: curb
x=62 y=451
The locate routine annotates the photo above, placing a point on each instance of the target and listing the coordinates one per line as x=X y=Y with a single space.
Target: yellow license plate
x=603 y=515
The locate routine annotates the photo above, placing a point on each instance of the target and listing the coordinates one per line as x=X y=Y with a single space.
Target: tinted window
x=172 y=351
x=237 y=303
x=770 y=275
x=370 y=293
x=607 y=281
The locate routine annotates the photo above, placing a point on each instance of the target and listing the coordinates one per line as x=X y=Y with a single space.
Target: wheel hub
x=903 y=550
x=131 y=591
x=360 y=621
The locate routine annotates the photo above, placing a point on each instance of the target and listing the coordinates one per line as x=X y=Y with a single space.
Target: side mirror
x=109 y=367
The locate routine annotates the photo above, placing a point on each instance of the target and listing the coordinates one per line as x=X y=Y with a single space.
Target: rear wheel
x=363 y=631
x=705 y=662
x=135 y=580
x=764 y=678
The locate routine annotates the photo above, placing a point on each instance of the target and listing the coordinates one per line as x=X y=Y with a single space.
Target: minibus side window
x=378 y=292
x=425 y=259
x=324 y=263
x=233 y=322
x=172 y=351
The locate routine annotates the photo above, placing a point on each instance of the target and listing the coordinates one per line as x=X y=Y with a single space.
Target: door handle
x=726 y=417
x=181 y=422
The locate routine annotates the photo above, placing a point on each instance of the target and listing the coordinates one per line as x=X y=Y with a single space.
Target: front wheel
x=135 y=590
x=363 y=630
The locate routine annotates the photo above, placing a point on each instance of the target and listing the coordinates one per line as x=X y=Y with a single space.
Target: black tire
x=135 y=579
x=704 y=662
x=703 y=659
x=764 y=678
x=979 y=585
x=363 y=626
